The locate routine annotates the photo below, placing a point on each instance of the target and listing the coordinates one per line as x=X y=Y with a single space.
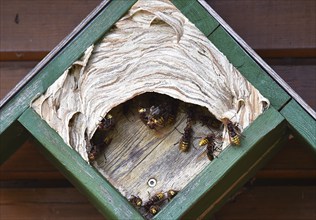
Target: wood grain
x=234 y=166
x=249 y=19
x=271 y=202
x=260 y=61
x=294 y=161
x=301 y=78
x=11 y=73
x=67 y=55
x=282 y=24
x=138 y=154
x=82 y=175
x=45 y=203
x=197 y=15
x=256 y=75
x=68 y=203
x=40 y=27
x=37 y=167
x=303 y=124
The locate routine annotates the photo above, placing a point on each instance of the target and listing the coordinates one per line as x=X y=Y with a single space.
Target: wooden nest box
x=124 y=108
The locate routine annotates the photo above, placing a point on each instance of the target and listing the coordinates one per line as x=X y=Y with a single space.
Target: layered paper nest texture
x=153 y=48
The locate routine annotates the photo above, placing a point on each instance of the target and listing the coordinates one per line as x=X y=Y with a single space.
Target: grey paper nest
x=154 y=48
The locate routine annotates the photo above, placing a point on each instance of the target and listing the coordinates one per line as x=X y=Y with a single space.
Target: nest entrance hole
x=138 y=153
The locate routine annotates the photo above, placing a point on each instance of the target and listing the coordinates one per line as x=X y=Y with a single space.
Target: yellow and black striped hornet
x=233 y=132
x=154 y=209
x=209 y=139
x=93 y=153
x=96 y=149
x=136 y=201
x=171 y=193
x=143 y=115
x=154 y=200
x=160 y=116
x=162 y=111
x=101 y=137
x=151 y=117
x=211 y=148
x=156 y=117
x=107 y=123
x=184 y=143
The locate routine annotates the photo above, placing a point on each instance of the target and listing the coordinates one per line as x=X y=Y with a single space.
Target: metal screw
x=152 y=182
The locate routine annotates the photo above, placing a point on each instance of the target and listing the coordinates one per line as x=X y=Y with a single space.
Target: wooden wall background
x=282 y=32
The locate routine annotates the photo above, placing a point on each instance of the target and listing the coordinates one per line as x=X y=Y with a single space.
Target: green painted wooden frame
x=300 y=116
x=207 y=192
x=88 y=180
x=89 y=34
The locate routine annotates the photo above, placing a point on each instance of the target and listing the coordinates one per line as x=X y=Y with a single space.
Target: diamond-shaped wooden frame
x=207 y=192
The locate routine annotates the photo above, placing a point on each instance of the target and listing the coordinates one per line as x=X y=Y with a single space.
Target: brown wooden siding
x=282 y=32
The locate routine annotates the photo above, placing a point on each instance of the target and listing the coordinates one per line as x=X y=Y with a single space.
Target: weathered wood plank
x=234 y=165
x=249 y=68
x=137 y=154
x=303 y=124
x=28 y=164
x=197 y=15
x=38 y=84
x=81 y=174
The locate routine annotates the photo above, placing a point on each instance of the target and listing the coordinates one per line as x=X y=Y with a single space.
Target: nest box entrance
x=154 y=49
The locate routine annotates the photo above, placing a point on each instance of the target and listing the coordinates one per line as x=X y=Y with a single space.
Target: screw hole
x=152 y=182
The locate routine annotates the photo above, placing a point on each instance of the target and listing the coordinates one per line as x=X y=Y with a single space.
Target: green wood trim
x=11 y=140
x=197 y=14
x=94 y=31
x=103 y=195
x=231 y=169
x=301 y=122
x=249 y=68
x=251 y=170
